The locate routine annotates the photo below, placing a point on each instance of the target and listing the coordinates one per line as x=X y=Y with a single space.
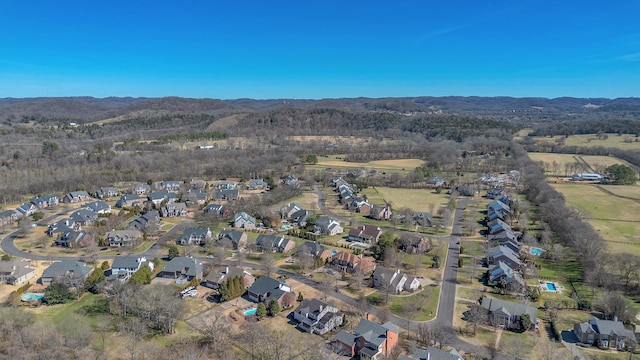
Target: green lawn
x=403 y=305
x=415 y=199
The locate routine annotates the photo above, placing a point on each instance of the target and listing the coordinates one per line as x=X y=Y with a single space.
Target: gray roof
x=608 y=327
x=127 y=262
x=315 y=248
x=83 y=215
x=190 y=266
x=432 y=353
x=197 y=232
x=98 y=206
x=503 y=250
x=346 y=337
x=243 y=215
x=7 y=213
x=511 y=307
x=265 y=285
x=161 y=195
x=64 y=267
x=374 y=333
x=232 y=235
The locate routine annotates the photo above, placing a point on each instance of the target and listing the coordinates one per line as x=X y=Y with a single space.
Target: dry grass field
x=625 y=141
x=595 y=162
x=380 y=165
x=615 y=218
x=415 y=199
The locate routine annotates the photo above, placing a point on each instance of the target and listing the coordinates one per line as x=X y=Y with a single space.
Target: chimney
x=368 y=317
x=226 y=270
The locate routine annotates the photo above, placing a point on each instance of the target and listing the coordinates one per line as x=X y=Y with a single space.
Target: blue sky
x=319 y=49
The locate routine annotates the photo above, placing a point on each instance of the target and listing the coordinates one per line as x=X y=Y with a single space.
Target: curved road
x=446 y=303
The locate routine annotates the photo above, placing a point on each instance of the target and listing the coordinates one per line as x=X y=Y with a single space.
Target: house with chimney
x=219 y=275
x=368 y=340
x=609 y=334
x=380 y=212
x=195 y=236
x=327 y=226
x=233 y=238
x=347 y=262
x=124 y=266
x=317 y=317
x=16 y=272
x=393 y=281
x=266 y=288
x=274 y=243
x=123 y=238
x=368 y=234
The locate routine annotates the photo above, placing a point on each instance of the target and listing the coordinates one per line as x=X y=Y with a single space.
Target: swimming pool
x=551 y=287
x=287 y=227
x=333 y=252
x=32 y=297
x=360 y=246
x=536 y=251
x=251 y=311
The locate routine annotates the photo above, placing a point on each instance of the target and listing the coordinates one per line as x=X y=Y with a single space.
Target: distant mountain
x=88 y=109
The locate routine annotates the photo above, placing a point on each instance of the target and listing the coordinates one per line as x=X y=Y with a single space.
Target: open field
x=398 y=165
x=415 y=199
x=616 y=219
x=590 y=140
x=308 y=201
x=565 y=161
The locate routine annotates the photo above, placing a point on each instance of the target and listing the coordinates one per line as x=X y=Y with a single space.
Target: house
x=196 y=236
x=274 y=243
x=503 y=274
x=265 y=288
x=182 y=268
x=327 y=226
x=226 y=186
x=413 y=243
x=125 y=266
x=8 y=217
x=317 y=317
x=76 y=196
x=229 y=195
x=157 y=197
x=421 y=218
x=219 y=209
x=217 y=277
x=315 y=249
x=493 y=193
x=141 y=189
x=465 y=190
x=99 y=207
x=506 y=314
x=123 y=238
x=379 y=212
x=291 y=180
x=27 y=209
x=507 y=239
x=66 y=268
x=237 y=239
x=84 y=216
x=129 y=200
x=74 y=239
x=242 y=220
x=362 y=206
x=301 y=217
x=257 y=184
x=348 y=262
x=196 y=196
x=16 y=272
x=148 y=221
x=604 y=333
x=369 y=340
x=198 y=184
x=393 y=280
x=368 y=234
x=436 y=181
x=497 y=226
x=499 y=207
x=504 y=254
x=169 y=185
x=174 y=210
x=62 y=226
x=432 y=353
x=46 y=201
x=287 y=211
x=107 y=192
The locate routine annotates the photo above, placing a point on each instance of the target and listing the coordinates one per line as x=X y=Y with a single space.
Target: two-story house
x=196 y=236
x=369 y=340
x=316 y=316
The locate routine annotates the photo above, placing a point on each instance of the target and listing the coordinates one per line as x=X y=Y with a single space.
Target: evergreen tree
x=142 y=276
x=57 y=293
x=300 y=297
x=274 y=307
x=173 y=252
x=94 y=280
x=225 y=295
x=261 y=311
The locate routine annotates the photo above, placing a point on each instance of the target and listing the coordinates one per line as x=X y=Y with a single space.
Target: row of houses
x=10 y=216
x=503 y=252
x=349 y=198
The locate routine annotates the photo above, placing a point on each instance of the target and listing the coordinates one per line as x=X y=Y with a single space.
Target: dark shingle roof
x=64 y=267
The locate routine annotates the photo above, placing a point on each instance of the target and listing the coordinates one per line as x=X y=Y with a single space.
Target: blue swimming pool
x=287 y=227
x=536 y=251
x=333 y=252
x=551 y=287
x=32 y=297
x=251 y=311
